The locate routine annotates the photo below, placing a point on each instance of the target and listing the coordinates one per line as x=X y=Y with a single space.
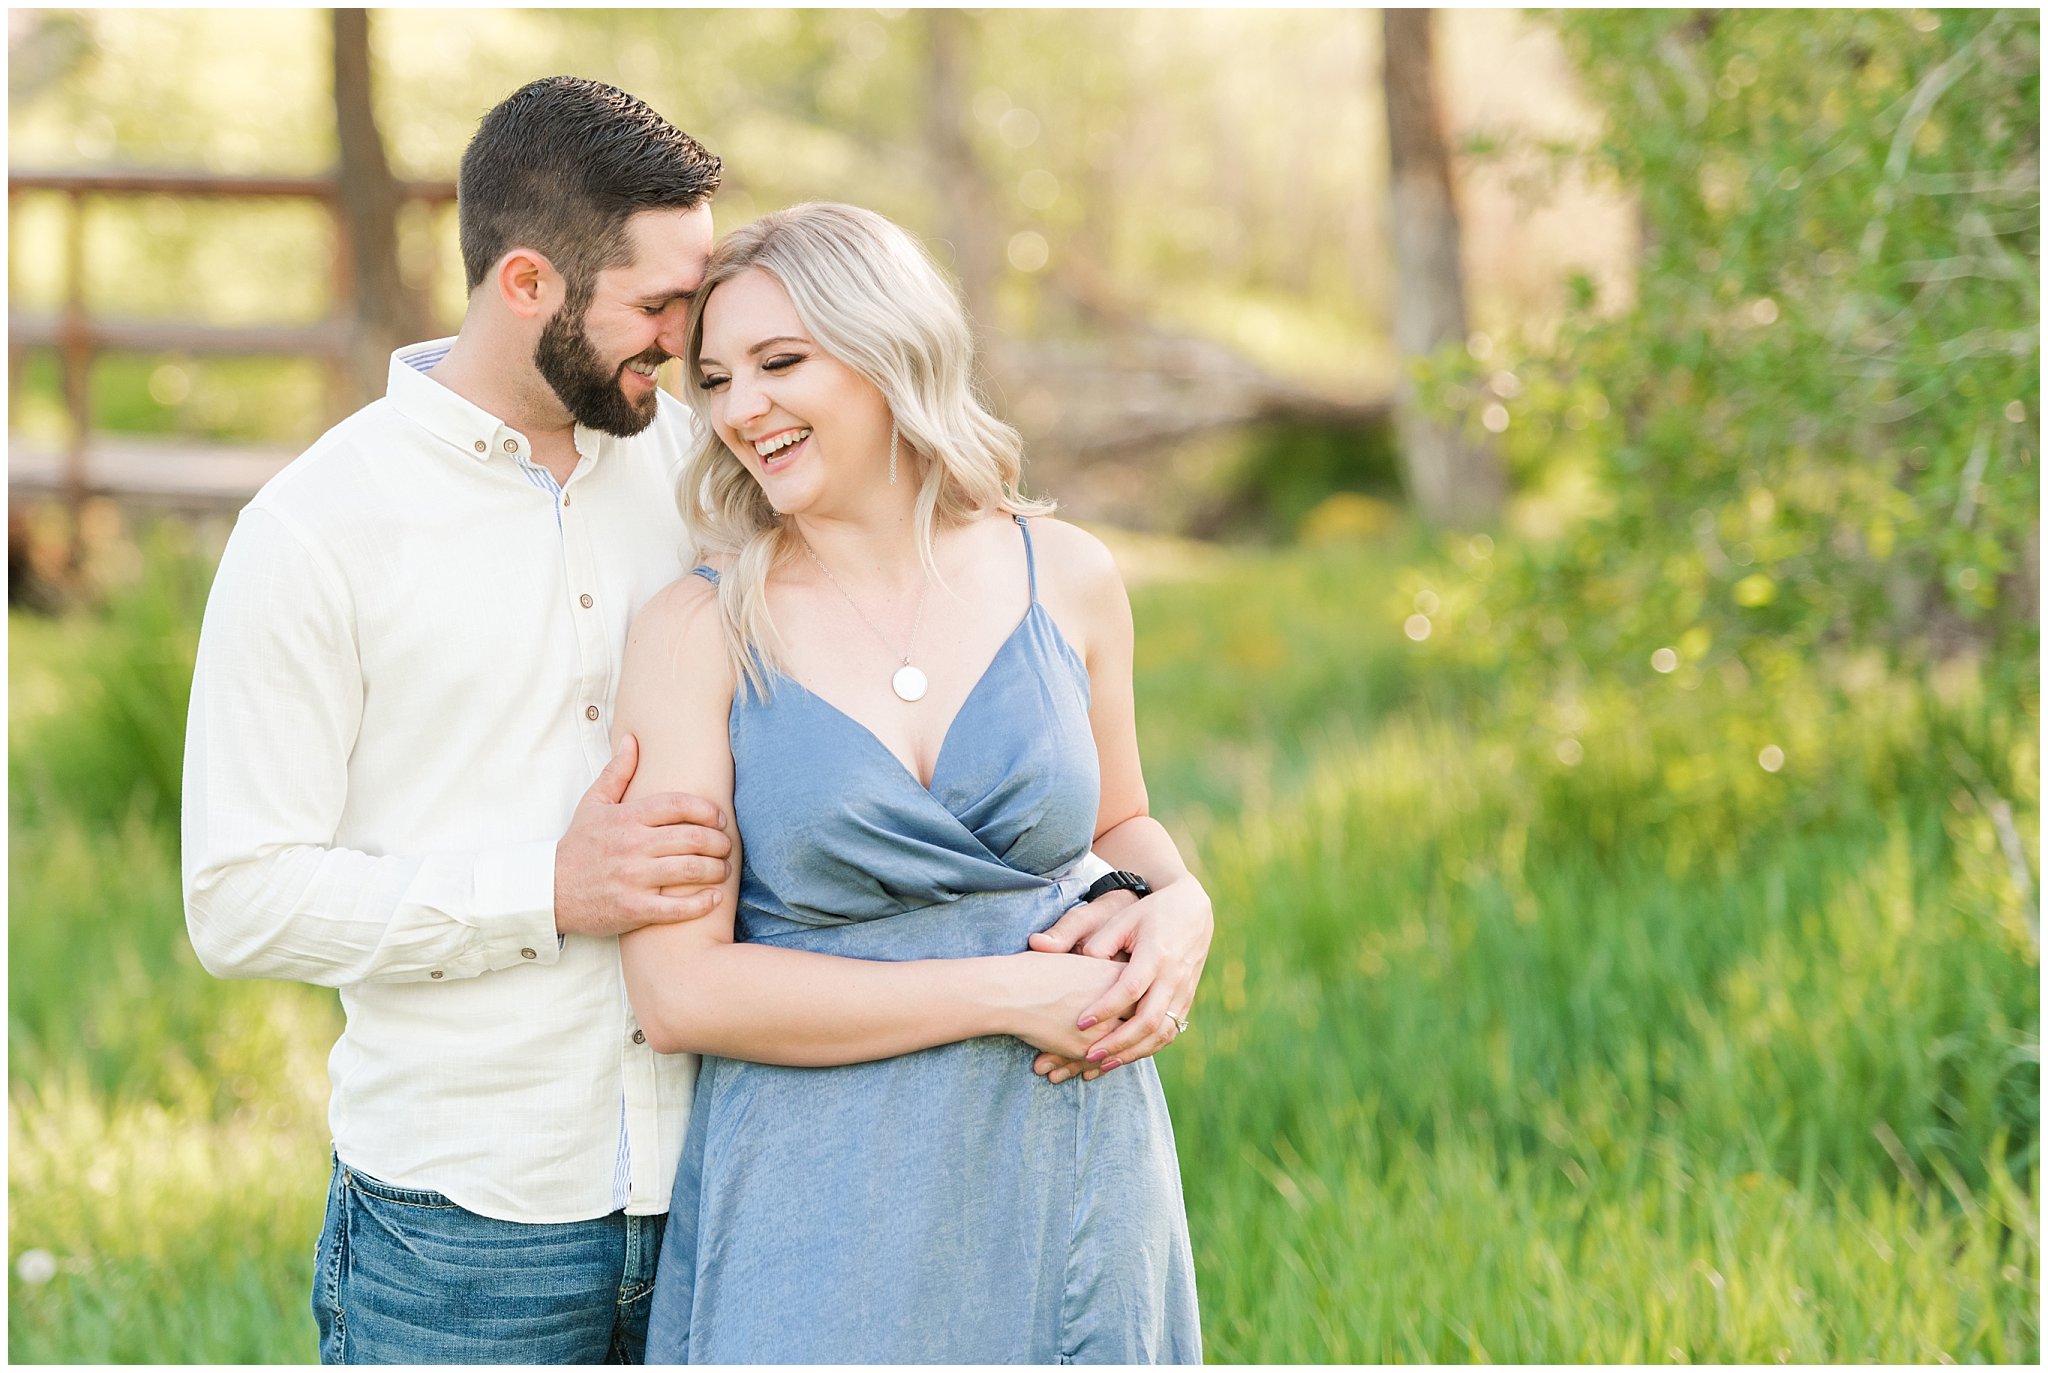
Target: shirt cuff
x=515 y=904
x=1090 y=867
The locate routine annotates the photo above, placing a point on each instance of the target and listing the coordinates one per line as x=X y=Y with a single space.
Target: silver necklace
x=909 y=683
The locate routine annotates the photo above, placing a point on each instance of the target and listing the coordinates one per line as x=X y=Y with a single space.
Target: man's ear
x=528 y=283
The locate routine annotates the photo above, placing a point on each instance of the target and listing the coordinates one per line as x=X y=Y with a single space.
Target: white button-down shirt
x=404 y=685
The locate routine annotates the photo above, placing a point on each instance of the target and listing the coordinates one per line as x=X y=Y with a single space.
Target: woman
x=926 y=693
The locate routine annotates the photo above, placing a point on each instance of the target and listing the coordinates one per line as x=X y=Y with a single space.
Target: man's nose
x=674 y=333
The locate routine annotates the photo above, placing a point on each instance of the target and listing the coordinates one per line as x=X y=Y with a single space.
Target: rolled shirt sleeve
x=277 y=700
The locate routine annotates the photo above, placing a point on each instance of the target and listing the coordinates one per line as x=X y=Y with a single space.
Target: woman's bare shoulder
x=680 y=607
x=678 y=635
x=1072 y=560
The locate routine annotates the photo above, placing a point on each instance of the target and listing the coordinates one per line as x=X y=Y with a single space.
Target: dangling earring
x=892 y=452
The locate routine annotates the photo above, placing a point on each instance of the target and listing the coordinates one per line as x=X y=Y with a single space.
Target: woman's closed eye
x=782 y=362
x=711 y=381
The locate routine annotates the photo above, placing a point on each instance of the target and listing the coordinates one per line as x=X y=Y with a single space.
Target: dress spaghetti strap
x=1030 y=562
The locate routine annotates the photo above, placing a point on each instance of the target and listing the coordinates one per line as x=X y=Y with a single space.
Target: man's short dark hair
x=559 y=166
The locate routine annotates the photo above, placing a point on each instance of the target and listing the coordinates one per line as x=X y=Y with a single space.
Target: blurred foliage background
x=1628 y=910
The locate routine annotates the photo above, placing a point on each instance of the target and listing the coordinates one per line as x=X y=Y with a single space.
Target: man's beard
x=587 y=388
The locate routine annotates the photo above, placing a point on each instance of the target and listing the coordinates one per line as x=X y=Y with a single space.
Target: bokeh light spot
x=1029 y=252
x=1018 y=127
x=169 y=384
x=1039 y=189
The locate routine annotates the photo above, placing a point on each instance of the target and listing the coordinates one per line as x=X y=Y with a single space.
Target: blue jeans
x=406 y=1276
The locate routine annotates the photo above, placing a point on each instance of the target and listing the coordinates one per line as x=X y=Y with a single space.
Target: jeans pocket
x=425 y=1281
x=362 y=1182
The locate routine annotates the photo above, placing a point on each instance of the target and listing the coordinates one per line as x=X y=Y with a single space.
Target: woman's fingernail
x=1111 y=1064
x=1086 y=1022
x=1095 y=1055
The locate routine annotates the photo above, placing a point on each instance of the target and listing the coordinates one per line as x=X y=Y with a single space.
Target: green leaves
x=1825 y=391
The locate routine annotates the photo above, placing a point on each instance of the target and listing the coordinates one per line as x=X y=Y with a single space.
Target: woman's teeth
x=766 y=447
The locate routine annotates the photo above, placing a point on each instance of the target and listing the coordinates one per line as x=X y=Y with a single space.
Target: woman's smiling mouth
x=779 y=449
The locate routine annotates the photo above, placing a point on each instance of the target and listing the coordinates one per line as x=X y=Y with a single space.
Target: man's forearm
x=334 y=916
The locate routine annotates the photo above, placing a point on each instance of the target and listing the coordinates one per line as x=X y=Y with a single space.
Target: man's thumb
x=610 y=786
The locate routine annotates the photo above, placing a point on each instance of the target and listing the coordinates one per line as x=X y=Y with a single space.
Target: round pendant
x=910 y=684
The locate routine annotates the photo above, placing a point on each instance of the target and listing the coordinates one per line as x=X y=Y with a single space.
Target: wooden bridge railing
x=77 y=335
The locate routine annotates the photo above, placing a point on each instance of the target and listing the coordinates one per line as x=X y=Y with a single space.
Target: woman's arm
x=1167 y=934
x=694 y=989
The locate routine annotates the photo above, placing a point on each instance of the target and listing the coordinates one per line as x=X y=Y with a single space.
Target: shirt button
x=528 y=953
x=436 y=974
x=511 y=445
x=481 y=445
x=586 y=601
x=565 y=498
x=590 y=712
x=639 y=1036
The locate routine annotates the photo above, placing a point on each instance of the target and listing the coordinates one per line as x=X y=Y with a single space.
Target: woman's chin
x=784 y=501
x=794 y=497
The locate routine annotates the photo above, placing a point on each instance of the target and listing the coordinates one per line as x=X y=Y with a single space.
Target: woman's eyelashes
x=781 y=362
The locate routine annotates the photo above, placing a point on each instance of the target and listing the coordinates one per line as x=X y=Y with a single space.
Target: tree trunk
x=967 y=220
x=1451 y=478
x=383 y=312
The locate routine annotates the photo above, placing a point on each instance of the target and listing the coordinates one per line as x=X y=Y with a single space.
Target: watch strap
x=1117 y=881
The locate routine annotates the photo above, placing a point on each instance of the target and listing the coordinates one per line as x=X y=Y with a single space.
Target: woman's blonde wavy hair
x=872 y=298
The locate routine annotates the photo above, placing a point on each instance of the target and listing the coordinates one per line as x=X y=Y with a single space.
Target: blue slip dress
x=945 y=1206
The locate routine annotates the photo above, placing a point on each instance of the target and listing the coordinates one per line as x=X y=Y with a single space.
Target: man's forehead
x=669 y=249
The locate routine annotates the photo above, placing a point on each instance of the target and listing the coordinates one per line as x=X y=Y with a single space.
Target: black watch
x=1117 y=881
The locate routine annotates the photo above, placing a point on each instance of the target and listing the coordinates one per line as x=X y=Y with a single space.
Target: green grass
x=1653 y=1056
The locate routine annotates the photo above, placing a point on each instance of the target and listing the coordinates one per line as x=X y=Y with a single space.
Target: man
x=403 y=688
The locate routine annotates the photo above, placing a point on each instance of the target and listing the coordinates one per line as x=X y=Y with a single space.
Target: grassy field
x=1544 y=1031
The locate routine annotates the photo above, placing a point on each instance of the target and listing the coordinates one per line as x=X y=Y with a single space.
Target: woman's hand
x=1046 y=994
x=1159 y=945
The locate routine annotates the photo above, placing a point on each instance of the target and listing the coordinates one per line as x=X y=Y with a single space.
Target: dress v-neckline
x=946 y=739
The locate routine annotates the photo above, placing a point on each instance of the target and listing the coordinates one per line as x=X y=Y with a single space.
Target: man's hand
x=618 y=855
x=1164 y=941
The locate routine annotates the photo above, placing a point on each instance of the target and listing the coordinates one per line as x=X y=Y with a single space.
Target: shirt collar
x=468 y=427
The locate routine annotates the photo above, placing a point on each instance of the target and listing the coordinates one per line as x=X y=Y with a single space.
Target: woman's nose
x=744 y=401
